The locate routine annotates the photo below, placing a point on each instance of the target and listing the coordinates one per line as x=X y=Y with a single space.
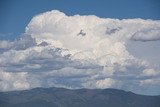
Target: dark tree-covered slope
x=59 y=97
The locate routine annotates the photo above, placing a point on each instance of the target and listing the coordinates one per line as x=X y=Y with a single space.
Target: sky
x=15 y=15
x=80 y=44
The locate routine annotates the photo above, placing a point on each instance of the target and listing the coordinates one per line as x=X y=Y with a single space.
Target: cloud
x=104 y=83
x=151 y=72
x=149 y=34
x=5 y=44
x=23 y=42
x=13 y=81
x=77 y=52
x=4 y=35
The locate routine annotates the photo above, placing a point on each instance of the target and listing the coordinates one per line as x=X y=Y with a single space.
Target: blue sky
x=16 y=14
x=113 y=53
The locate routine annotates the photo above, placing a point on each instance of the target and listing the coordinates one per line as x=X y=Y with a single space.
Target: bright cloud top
x=79 y=52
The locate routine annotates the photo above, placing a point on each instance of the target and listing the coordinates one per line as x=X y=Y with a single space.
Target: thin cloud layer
x=79 y=52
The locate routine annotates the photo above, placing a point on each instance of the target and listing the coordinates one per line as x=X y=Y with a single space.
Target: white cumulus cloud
x=78 y=52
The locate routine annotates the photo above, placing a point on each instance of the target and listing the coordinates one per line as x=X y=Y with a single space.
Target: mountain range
x=60 y=97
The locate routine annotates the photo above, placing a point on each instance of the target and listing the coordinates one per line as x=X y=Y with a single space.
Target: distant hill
x=60 y=97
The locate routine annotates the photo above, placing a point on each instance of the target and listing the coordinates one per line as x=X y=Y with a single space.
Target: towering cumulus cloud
x=79 y=52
